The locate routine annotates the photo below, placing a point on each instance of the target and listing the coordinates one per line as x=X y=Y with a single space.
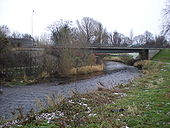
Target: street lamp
x=32 y=24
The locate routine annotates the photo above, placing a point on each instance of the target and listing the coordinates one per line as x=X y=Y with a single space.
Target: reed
x=86 y=69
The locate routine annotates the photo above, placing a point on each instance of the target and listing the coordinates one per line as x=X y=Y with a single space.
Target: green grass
x=164 y=56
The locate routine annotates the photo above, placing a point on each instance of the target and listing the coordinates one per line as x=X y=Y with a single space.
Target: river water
x=26 y=96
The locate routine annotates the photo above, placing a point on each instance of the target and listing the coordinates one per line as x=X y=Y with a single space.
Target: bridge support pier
x=144 y=54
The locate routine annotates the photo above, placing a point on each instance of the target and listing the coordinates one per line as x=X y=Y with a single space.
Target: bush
x=65 y=63
x=48 y=64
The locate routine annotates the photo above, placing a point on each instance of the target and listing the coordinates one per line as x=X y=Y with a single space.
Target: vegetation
x=164 y=56
x=141 y=103
x=47 y=61
x=123 y=58
x=16 y=64
x=86 y=69
x=166 y=23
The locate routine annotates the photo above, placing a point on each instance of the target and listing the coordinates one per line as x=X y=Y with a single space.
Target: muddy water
x=26 y=96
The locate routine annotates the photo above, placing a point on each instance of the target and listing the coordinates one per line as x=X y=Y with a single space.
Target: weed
x=54 y=99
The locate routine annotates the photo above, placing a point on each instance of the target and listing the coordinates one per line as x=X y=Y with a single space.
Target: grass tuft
x=86 y=69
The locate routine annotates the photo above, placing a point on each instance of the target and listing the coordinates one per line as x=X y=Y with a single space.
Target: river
x=26 y=96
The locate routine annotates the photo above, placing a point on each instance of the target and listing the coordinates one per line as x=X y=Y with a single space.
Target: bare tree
x=126 y=41
x=61 y=32
x=92 y=31
x=166 y=21
x=4 y=31
x=4 y=43
x=148 y=37
x=5 y=53
x=115 y=39
x=100 y=35
x=139 y=40
x=87 y=28
x=160 y=41
x=105 y=37
x=44 y=39
x=16 y=35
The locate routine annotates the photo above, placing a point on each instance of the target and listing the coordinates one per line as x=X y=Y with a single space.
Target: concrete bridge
x=144 y=53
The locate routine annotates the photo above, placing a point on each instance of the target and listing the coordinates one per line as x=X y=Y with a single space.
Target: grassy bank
x=164 y=56
x=143 y=103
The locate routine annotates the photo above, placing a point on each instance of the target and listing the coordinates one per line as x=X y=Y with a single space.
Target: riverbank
x=164 y=56
x=141 y=103
x=28 y=96
x=46 y=77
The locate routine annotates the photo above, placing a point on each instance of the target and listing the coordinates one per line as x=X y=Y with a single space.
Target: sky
x=120 y=15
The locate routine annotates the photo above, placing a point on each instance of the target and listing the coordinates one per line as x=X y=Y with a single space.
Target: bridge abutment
x=144 y=54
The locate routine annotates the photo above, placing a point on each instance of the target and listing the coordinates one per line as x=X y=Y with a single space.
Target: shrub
x=48 y=64
x=65 y=63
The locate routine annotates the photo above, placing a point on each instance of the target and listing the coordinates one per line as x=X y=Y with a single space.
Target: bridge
x=143 y=52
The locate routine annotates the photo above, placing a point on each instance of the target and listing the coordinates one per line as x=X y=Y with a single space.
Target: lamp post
x=32 y=23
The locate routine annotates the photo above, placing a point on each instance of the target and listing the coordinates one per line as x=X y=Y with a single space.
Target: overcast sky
x=120 y=15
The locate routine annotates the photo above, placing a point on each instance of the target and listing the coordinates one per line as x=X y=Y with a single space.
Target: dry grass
x=113 y=58
x=44 y=75
x=132 y=109
x=142 y=64
x=148 y=66
x=54 y=99
x=86 y=69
